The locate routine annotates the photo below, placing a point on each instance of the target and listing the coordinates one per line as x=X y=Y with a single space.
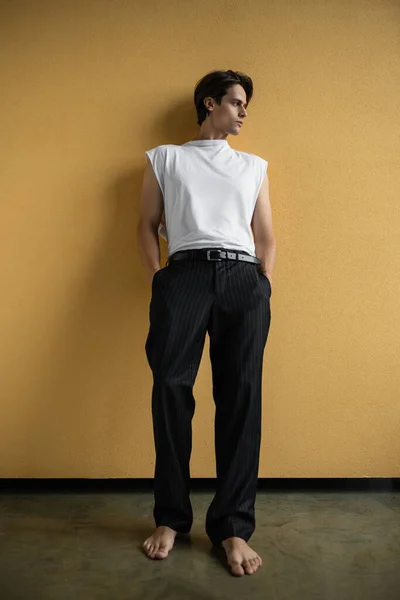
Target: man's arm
x=151 y=209
x=264 y=238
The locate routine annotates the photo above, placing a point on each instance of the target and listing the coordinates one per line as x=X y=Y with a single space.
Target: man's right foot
x=160 y=543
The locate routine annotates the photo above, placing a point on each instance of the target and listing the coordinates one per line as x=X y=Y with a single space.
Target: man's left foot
x=241 y=558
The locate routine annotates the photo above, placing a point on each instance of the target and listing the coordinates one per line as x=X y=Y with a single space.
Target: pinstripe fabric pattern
x=231 y=301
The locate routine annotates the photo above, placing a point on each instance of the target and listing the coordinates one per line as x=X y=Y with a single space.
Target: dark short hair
x=216 y=84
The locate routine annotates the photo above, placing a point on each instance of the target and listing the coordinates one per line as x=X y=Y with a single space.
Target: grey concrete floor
x=324 y=545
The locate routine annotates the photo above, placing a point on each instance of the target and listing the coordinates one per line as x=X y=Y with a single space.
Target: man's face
x=233 y=109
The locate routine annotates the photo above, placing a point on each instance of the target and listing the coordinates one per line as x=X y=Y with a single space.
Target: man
x=221 y=254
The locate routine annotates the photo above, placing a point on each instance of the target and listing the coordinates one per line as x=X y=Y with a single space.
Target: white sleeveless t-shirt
x=209 y=191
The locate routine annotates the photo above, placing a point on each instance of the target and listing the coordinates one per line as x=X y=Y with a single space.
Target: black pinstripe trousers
x=231 y=301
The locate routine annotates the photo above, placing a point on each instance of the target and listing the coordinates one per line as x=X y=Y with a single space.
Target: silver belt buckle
x=209 y=257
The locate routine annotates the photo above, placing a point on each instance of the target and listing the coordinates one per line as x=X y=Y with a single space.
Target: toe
x=247 y=567
x=146 y=547
x=162 y=552
x=237 y=568
x=254 y=564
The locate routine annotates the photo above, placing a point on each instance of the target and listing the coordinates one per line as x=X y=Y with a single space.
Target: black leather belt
x=212 y=254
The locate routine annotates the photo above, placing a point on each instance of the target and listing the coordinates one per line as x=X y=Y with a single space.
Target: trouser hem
x=175 y=527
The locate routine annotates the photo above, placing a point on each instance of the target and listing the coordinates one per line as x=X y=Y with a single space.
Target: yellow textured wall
x=86 y=87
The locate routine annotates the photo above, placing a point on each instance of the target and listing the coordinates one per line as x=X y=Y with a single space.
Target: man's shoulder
x=166 y=146
x=250 y=158
x=250 y=155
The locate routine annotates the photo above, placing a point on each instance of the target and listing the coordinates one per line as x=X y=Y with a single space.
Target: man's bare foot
x=160 y=543
x=239 y=553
